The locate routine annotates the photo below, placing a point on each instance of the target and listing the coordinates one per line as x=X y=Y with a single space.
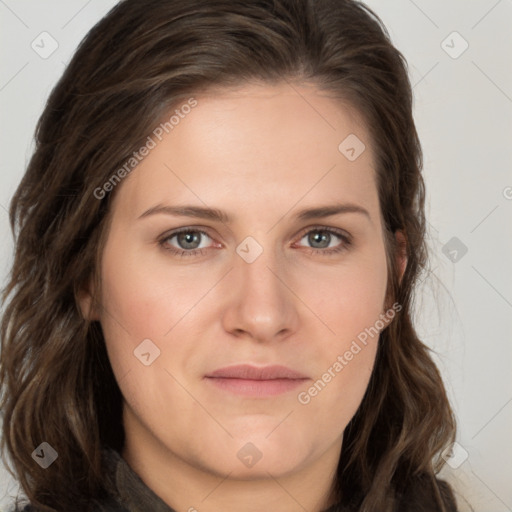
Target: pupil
x=188 y=238
x=321 y=237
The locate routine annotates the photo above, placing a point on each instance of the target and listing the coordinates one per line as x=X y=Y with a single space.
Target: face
x=270 y=282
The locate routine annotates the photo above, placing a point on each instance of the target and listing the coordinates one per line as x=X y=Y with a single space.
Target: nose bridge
x=258 y=276
x=257 y=265
x=262 y=305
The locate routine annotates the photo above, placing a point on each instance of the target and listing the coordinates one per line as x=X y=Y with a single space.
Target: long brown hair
x=139 y=61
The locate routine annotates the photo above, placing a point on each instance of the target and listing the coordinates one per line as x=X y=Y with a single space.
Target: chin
x=277 y=466
x=258 y=454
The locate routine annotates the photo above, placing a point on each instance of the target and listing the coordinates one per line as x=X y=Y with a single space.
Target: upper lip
x=246 y=371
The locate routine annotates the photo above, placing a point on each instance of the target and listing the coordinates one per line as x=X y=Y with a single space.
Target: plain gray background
x=463 y=111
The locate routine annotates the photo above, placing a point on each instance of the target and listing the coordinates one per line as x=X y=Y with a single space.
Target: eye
x=326 y=240
x=188 y=242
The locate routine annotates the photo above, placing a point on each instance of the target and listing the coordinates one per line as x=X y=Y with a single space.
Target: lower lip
x=257 y=388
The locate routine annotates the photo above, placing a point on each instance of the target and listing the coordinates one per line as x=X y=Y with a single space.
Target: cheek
x=144 y=310
x=344 y=366
x=329 y=402
x=348 y=297
x=147 y=298
x=349 y=300
x=144 y=298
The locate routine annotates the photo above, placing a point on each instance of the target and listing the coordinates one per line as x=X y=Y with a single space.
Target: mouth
x=255 y=381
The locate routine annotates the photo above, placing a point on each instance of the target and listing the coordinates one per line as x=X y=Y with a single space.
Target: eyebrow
x=215 y=214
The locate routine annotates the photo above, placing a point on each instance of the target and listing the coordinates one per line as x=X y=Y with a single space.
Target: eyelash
x=346 y=241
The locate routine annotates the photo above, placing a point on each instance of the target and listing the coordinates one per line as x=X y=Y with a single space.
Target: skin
x=261 y=153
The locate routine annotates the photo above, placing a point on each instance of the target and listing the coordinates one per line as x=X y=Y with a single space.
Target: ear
x=401 y=255
x=86 y=302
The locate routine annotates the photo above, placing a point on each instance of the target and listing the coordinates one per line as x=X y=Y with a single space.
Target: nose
x=262 y=305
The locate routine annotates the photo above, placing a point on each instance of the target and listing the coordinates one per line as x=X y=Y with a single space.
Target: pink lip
x=256 y=381
x=246 y=371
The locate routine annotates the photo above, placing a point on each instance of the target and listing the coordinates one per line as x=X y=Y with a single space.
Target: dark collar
x=127 y=488
x=131 y=494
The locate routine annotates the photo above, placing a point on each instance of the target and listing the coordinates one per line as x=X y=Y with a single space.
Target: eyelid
x=346 y=240
x=322 y=227
x=185 y=229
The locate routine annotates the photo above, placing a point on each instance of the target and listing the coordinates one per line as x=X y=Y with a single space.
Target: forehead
x=254 y=146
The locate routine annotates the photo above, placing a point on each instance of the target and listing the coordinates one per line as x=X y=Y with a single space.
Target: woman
x=219 y=235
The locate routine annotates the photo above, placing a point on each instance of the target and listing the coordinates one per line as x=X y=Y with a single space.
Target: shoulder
x=424 y=495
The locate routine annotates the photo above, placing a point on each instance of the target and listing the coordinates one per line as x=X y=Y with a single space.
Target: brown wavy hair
x=138 y=62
